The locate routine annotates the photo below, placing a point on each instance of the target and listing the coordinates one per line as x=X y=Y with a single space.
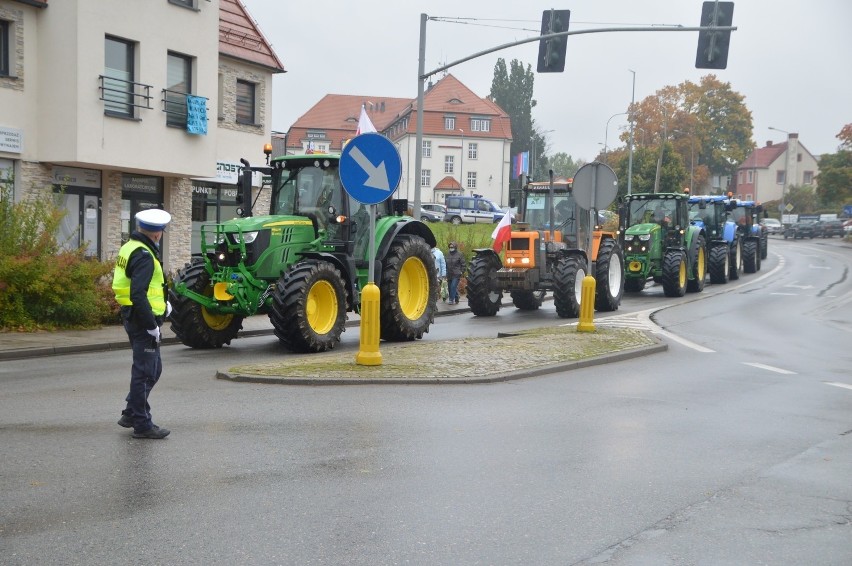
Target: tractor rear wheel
x=674 y=274
x=750 y=256
x=736 y=262
x=193 y=324
x=409 y=289
x=528 y=300
x=609 y=276
x=699 y=269
x=308 y=310
x=484 y=293
x=568 y=286
x=719 y=264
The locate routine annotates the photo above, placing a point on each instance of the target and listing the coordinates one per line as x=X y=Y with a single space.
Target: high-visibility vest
x=121 y=282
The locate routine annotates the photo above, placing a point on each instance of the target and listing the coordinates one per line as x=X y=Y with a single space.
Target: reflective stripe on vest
x=121 y=282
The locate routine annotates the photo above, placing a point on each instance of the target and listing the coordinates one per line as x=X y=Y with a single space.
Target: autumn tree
x=834 y=182
x=707 y=124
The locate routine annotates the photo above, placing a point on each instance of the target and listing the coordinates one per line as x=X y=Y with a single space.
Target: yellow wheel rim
x=702 y=266
x=413 y=291
x=321 y=307
x=682 y=273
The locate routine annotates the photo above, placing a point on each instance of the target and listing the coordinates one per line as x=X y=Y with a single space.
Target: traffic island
x=517 y=355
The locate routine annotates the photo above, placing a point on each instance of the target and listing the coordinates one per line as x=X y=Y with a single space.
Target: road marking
x=770 y=368
x=642 y=321
x=819 y=267
x=834 y=383
x=786 y=294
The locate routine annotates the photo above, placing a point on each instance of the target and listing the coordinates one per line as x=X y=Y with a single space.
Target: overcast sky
x=791 y=60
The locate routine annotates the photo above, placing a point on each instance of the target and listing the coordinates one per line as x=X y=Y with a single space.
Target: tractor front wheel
x=484 y=293
x=634 y=284
x=699 y=268
x=719 y=260
x=308 y=310
x=192 y=323
x=674 y=274
x=409 y=289
x=751 y=259
x=528 y=300
x=568 y=289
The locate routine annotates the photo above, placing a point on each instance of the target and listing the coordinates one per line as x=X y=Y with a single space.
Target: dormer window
x=449 y=122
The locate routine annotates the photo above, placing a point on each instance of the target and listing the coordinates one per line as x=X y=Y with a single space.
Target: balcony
x=122 y=97
x=184 y=110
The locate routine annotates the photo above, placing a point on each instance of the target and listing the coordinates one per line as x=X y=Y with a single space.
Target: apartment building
x=466 y=138
x=775 y=167
x=120 y=106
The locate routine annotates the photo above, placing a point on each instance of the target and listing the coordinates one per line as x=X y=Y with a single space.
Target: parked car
x=828 y=228
x=434 y=207
x=473 y=209
x=847 y=227
x=430 y=212
x=801 y=229
x=772 y=225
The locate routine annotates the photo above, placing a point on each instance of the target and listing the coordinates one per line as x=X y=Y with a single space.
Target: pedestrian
x=456 y=267
x=441 y=270
x=140 y=289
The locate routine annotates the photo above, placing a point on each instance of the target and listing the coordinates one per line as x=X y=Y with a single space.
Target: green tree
x=512 y=90
x=562 y=164
x=834 y=182
x=673 y=174
x=803 y=198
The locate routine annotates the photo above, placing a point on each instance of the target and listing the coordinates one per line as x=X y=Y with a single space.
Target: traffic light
x=713 y=45
x=551 y=52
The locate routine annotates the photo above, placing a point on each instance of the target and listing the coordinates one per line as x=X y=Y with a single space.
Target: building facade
x=115 y=108
x=771 y=169
x=465 y=148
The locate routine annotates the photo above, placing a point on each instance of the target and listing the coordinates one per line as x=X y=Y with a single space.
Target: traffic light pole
x=423 y=75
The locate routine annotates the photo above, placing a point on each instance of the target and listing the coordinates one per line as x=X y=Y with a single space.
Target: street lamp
x=606 y=133
x=786 y=169
x=630 y=141
x=532 y=157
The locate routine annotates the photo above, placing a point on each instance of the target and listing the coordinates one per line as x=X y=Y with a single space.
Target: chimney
x=769 y=143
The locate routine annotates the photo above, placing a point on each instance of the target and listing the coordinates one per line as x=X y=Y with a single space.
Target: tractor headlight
x=249 y=237
x=525 y=260
x=644 y=237
x=510 y=260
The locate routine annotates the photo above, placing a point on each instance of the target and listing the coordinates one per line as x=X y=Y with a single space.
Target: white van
x=471 y=210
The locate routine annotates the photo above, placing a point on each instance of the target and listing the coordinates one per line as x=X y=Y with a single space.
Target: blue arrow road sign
x=370 y=168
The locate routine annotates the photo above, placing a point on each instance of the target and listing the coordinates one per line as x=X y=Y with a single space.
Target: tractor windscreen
x=307 y=190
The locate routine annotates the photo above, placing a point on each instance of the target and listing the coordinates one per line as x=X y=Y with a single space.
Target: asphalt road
x=734 y=447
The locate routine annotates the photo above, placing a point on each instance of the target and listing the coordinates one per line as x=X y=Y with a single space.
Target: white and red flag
x=503 y=231
x=364 y=123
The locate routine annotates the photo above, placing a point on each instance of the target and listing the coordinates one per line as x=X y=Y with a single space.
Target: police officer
x=139 y=288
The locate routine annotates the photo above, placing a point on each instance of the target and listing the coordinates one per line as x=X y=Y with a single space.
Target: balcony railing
x=121 y=96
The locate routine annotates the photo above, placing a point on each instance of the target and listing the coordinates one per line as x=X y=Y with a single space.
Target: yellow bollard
x=369 y=354
x=587 y=305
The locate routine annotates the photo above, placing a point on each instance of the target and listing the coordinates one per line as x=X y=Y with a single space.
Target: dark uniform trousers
x=146 y=370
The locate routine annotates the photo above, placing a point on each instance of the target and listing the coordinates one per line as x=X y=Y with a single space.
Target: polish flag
x=503 y=231
x=364 y=123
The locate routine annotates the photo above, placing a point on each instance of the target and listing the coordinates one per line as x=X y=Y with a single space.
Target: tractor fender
x=388 y=232
x=729 y=231
x=488 y=253
x=692 y=244
x=345 y=265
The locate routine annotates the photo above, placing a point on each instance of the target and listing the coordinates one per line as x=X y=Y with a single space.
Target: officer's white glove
x=168 y=309
x=155 y=332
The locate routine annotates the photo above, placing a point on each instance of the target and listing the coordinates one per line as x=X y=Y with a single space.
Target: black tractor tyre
x=736 y=260
x=750 y=256
x=484 y=292
x=527 y=300
x=718 y=264
x=568 y=285
x=674 y=273
x=609 y=276
x=764 y=247
x=308 y=307
x=699 y=268
x=409 y=289
x=192 y=323
x=634 y=284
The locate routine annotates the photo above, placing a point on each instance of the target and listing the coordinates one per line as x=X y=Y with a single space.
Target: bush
x=42 y=285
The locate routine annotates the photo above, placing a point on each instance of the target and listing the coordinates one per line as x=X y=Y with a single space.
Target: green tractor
x=661 y=244
x=547 y=251
x=305 y=263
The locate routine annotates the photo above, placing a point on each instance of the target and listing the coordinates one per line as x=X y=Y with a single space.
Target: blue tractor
x=724 y=243
x=755 y=240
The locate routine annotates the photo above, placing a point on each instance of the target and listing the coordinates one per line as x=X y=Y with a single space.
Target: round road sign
x=595 y=184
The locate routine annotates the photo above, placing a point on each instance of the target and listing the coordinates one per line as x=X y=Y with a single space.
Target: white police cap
x=153 y=219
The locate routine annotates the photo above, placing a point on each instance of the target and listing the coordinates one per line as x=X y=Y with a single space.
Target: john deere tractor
x=304 y=263
x=547 y=251
x=661 y=244
x=724 y=243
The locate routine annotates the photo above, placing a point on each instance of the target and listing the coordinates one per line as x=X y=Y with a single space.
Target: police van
x=472 y=209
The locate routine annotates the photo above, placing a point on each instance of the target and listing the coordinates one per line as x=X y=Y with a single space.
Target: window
x=472 y=150
x=779 y=177
x=184 y=3
x=480 y=125
x=178 y=85
x=471 y=180
x=118 y=77
x=449 y=122
x=427 y=148
x=750 y=176
x=808 y=178
x=245 y=102
x=740 y=178
x=449 y=163
x=425 y=177
x=5 y=64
